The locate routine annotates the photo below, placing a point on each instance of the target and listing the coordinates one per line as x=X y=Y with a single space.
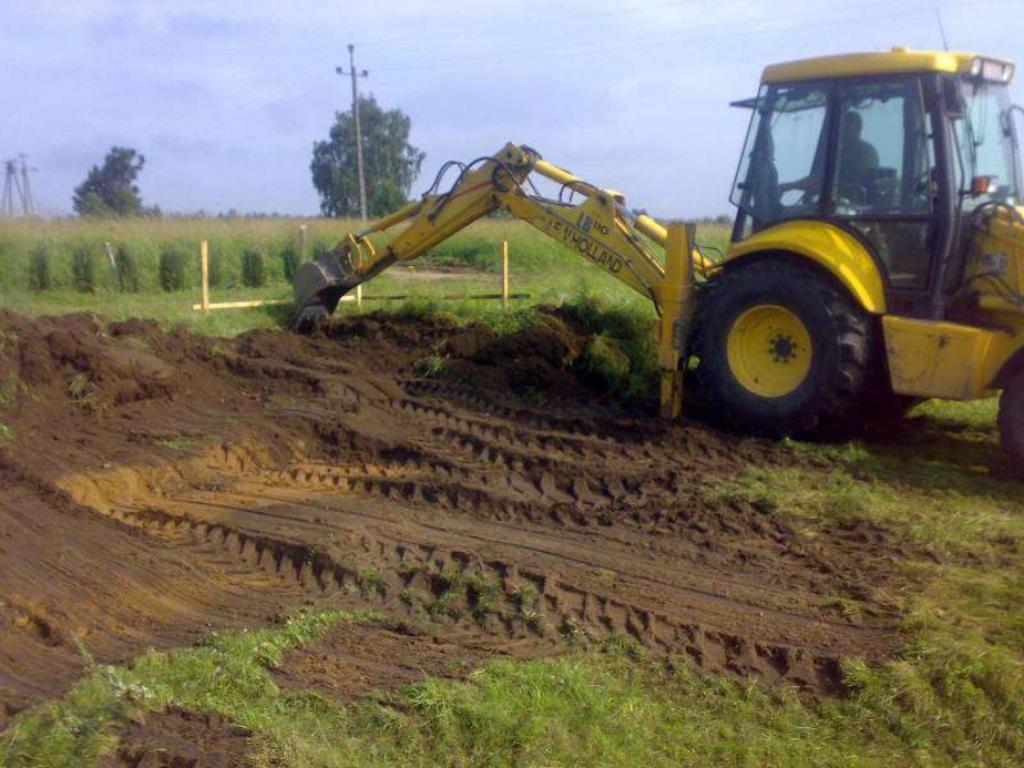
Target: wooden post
x=303 y=243
x=359 y=267
x=504 y=274
x=204 y=268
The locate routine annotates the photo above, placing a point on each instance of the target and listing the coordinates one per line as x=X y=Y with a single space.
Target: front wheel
x=782 y=350
x=1011 y=422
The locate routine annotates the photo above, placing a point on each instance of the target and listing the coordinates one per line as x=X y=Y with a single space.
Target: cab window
x=781 y=173
x=884 y=155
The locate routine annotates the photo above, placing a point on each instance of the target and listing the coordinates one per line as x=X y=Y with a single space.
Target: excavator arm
x=599 y=228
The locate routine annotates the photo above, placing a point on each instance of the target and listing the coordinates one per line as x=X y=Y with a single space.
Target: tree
x=391 y=163
x=110 y=190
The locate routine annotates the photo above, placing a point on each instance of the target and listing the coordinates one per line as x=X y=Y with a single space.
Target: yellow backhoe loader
x=877 y=255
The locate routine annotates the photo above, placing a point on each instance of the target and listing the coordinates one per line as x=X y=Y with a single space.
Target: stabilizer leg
x=676 y=299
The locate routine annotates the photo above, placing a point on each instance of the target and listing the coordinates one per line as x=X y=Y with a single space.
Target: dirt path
x=190 y=483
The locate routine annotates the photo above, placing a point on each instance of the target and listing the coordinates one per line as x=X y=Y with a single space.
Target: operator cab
x=895 y=148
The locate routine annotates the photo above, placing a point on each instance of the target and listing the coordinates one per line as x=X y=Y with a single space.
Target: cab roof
x=898 y=60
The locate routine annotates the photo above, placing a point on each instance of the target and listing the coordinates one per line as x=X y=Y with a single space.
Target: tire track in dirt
x=407 y=576
x=582 y=585
x=322 y=469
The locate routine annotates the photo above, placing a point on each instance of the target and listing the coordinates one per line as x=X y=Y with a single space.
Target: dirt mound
x=218 y=482
x=538 y=358
x=79 y=357
x=177 y=738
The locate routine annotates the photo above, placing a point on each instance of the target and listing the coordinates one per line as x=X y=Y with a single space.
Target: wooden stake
x=244 y=304
x=359 y=267
x=504 y=274
x=204 y=266
x=303 y=243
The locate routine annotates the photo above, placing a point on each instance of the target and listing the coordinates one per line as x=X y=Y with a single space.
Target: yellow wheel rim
x=769 y=350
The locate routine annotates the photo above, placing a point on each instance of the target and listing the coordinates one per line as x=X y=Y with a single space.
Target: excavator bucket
x=320 y=284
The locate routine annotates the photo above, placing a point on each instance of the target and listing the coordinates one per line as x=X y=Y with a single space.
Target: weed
x=523 y=596
x=180 y=444
x=429 y=366
x=82 y=390
x=371 y=580
x=6 y=433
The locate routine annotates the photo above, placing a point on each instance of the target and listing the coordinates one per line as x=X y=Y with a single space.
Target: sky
x=225 y=99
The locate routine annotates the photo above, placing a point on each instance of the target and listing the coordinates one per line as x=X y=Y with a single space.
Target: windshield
x=986 y=141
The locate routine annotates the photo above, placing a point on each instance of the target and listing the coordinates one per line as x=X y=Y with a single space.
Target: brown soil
x=177 y=738
x=157 y=485
x=354 y=660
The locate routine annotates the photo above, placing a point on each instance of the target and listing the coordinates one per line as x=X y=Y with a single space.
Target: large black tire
x=829 y=398
x=1011 y=422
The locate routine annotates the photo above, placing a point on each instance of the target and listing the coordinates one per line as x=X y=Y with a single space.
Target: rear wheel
x=1011 y=422
x=782 y=350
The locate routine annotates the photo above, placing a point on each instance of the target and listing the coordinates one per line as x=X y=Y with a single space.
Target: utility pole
x=27 y=203
x=12 y=185
x=16 y=183
x=7 y=204
x=355 y=117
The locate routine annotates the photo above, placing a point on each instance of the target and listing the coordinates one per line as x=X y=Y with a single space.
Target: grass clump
x=253 y=272
x=289 y=262
x=172 y=270
x=127 y=269
x=83 y=269
x=621 y=357
x=39 y=269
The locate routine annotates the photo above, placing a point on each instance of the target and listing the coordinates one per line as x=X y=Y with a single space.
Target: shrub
x=289 y=263
x=83 y=269
x=126 y=269
x=253 y=274
x=39 y=269
x=172 y=269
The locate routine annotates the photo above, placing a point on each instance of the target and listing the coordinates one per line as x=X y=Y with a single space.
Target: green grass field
x=952 y=696
x=538 y=267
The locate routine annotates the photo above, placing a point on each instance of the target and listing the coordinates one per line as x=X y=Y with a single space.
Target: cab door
x=884 y=185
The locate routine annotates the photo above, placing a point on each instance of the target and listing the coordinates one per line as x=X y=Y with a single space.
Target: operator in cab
x=858 y=159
